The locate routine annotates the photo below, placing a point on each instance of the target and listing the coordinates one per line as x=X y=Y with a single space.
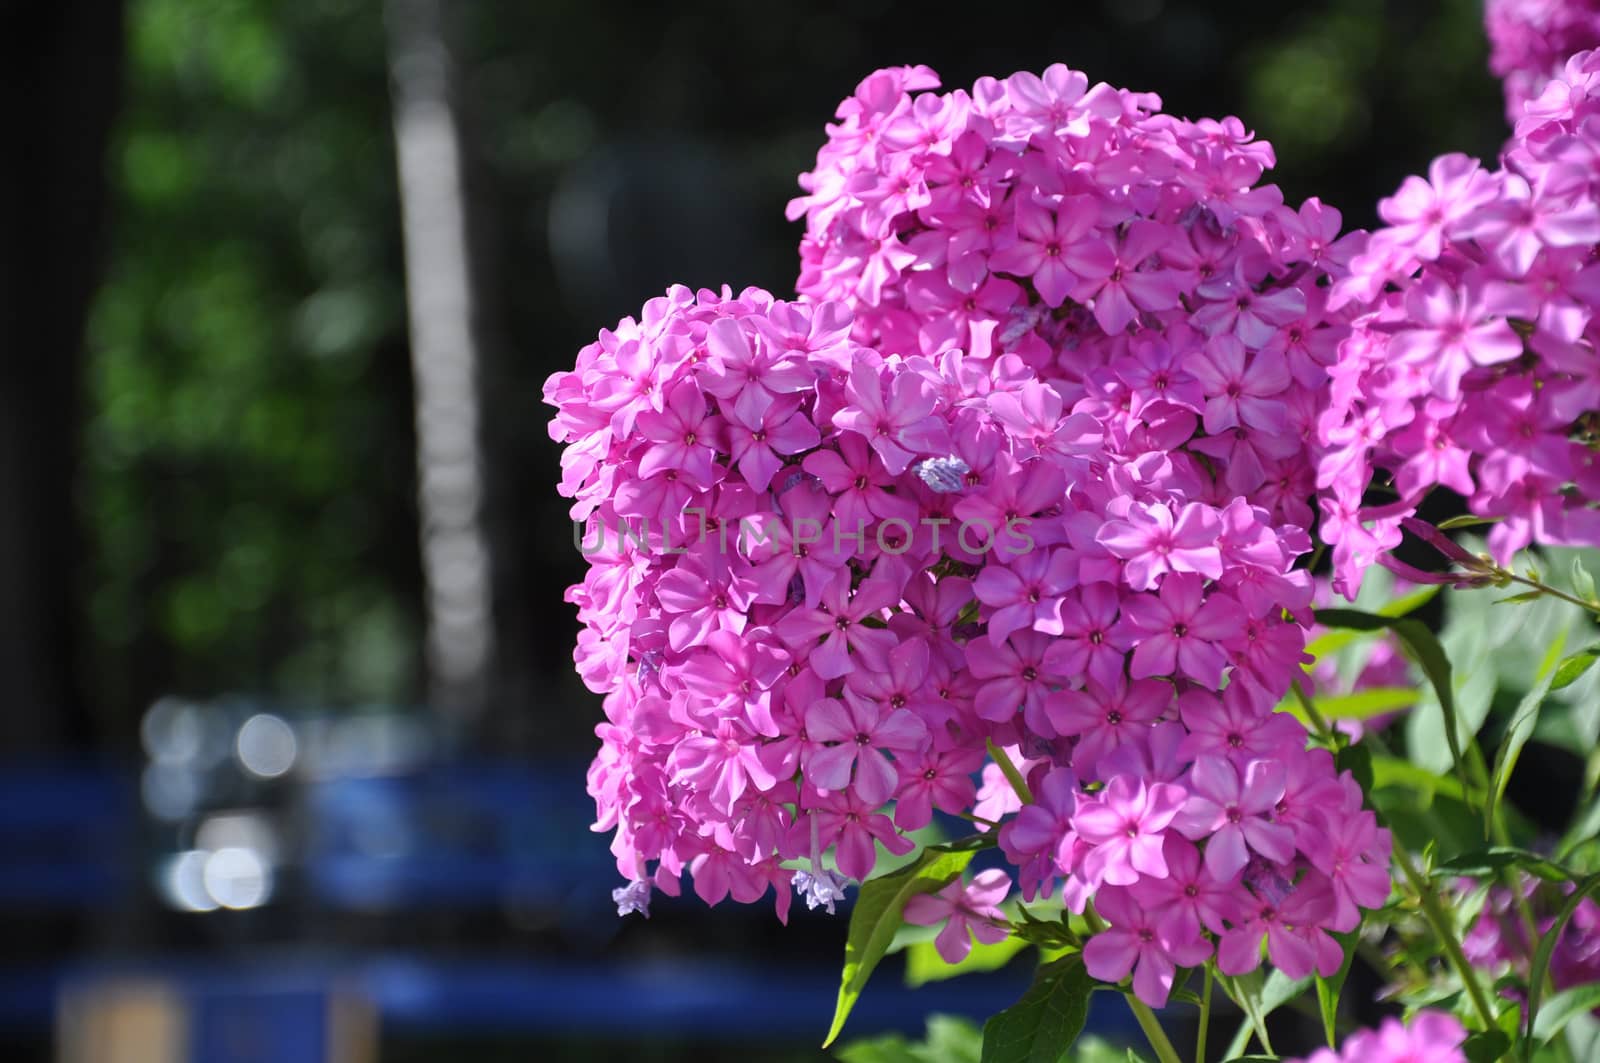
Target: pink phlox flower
x=1136 y=944
x=1233 y=815
x=705 y=593
x=1112 y=280
x=1103 y=718
x=1355 y=857
x=1421 y=210
x=1235 y=726
x=1124 y=825
x=855 y=735
x=854 y=827
x=720 y=765
x=755 y=443
x=1296 y=943
x=1039 y=840
x=832 y=635
x=934 y=779
x=1458 y=328
x=1026 y=592
x=1044 y=238
x=1090 y=643
x=899 y=427
x=1154 y=543
x=748 y=378
x=1191 y=898
x=1180 y=630
x=859 y=484
x=1013 y=677
x=737 y=672
x=968 y=911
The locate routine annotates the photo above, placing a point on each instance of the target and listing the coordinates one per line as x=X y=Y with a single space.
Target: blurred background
x=291 y=747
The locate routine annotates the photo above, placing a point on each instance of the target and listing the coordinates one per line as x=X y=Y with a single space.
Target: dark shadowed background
x=234 y=755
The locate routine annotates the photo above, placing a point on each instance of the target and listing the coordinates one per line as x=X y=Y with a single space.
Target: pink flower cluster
x=1430 y=1037
x=1027 y=472
x=1472 y=364
x=1529 y=40
x=1127 y=257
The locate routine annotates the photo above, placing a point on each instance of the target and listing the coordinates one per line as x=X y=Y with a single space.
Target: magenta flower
x=756 y=442
x=1234 y=816
x=1180 y=631
x=1124 y=824
x=1040 y=841
x=721 y=764
x=684 y=435
x=1043 y=241
x=1103 y=718
x=933 y=779
x=1135 y=944
x=967 y=911
x=1153 y=543
x=1013 y=676
x=853 y=826
x=1026 y=593
x=737 y=674
x=1292 y=926
x=1355 y=857
x=1090 y=643
x=747 y=379
x=1190 y=898
x=855 y=736
x=1459 y=328
x=900 y=428
x=1430 y=1037
x=1110 y=278
x=831 y=635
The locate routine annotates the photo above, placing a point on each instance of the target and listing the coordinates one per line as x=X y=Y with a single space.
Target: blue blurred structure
x=305 y=834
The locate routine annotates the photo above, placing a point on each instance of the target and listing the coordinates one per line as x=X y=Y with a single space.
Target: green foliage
x=924 y=964
x=1422 y=647
x=1258 y=996
x=1041 y=1027
x=948 y=1040
x=1546 y=948
x=1328 y=989
x=247 y=471
x=877 y=915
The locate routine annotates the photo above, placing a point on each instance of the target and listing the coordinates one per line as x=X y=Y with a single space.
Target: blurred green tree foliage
x=248 y=470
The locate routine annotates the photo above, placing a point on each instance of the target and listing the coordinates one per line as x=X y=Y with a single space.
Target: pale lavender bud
x=944 y=475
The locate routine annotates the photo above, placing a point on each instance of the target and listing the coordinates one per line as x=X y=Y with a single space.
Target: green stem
x=1440 y=922
x=1148 y=1022
x=1321 y=725
x=1593 y=607
x=1009 y=770
x=1205 y=1018
x=1152 y=1030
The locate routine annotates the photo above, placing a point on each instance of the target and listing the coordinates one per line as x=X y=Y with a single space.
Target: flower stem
x=1009 y=770
x=1440 y=922
x=1593 y=607
x=1205 y=1018
x=1321 y=725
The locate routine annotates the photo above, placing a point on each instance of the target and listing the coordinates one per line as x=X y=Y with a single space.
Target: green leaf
x=1486 y=1046
x=924 y=964
x=1571 y=668
x=1582 y=581
x=950 y=1039
x=1486 y=863
x=1041 y=1027
x=1521 y=729
x=1563 y=1008
x=1467 y=520
x=1328 y=989
x=876 y=916
x=1356 y=759
x=1518 y=599
x=1423 y=648
x=1364 y=704
x=1547 y=946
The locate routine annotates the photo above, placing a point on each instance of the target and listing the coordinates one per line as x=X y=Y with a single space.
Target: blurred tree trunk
x=455 y=554
x=63 y=64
